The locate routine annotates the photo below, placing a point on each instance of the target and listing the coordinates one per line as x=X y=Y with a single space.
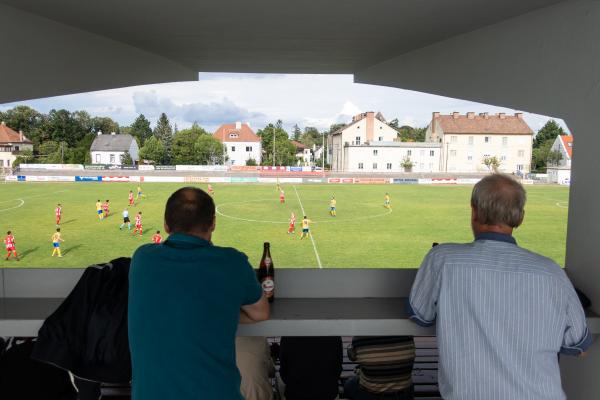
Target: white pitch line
x=12 y=208
x=309 y=234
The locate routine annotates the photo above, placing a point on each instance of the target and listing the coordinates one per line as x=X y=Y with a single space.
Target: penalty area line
x=309 y=234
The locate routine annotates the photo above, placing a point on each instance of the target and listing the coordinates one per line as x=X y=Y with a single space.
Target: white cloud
x=308 y=100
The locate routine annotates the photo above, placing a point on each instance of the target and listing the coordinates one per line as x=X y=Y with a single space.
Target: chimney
x=519 y=115
x=113 y=133
x=485 y=115
x=238 y=125
x=501 y=115
x=20 y=135
x=470 y=115
x=3 y=123
x=370 y=125
x=99 y=133
x=455 y=115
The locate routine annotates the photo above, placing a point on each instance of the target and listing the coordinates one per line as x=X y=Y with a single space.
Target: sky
x=306 y=100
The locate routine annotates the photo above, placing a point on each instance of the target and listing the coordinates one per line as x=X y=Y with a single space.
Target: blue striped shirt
x=502 y=314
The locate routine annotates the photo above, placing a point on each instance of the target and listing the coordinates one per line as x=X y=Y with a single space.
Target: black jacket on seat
x=87 y=334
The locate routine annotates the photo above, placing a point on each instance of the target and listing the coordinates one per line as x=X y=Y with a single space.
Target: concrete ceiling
x=309 y=36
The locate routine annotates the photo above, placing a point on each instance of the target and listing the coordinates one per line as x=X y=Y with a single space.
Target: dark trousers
x=354 y=391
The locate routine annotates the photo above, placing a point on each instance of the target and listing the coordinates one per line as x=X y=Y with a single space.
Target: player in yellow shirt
x=305 y=227
x=139 y=193
x=99 y=210
x=332 y=204
x=387 y=201
x=56 y=239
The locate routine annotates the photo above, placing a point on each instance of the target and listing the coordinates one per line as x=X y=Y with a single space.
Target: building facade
x=109 y=149
x=11 y=144
x=369 y=144
x=468 y=139
x=241 y=142
x=560 y=172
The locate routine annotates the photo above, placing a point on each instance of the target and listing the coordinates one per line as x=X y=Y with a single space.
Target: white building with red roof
x=561 y=172
x=11 y=143
x=241 y=142
x=469 y=138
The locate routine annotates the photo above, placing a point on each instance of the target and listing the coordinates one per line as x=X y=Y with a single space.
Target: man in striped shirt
x=502 y=313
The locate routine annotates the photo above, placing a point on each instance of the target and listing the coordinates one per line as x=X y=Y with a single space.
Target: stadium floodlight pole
x=273 y=145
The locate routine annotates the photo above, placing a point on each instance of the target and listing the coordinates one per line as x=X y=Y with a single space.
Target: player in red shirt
x=106 y=208
x=157 y=238
x=292 y=228
x=9 y=241
x=138 y=223
x=210 y=190
x=58 y=213
x=282 y=196
x=131 y=198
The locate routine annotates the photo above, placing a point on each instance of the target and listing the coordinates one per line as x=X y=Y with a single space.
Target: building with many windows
x=108 y=149
x=11 y=143
x=241 y=143
x=468 y=139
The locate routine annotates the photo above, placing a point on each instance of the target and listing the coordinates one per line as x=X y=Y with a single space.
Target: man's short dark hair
x=188 y=210
x=499 y=200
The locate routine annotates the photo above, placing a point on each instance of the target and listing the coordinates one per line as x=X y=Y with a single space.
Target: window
x=1 y=163
x=471 y=140
x=421 y=165
x=360 y=165
x=374 y=165
x=389 y=165
x=453 y=139
x=504 y=141
x=248 y=149
x=431 y=153
x=357 y=126
x=357 y=140
x=233 y=148
x=452 y=153
x=375 y=152
x=233 y=135
x=112 y=158
x=470 y=157
x=431 y=166
x=521 y=153
x=487 y=139
x=519 y=167
x=409 y=152
x=16 y=148
x=422 y=153
x=503 y=158
x=98 y=159
x=381 y=138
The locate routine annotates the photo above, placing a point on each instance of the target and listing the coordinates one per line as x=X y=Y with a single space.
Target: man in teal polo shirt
x=186 y=298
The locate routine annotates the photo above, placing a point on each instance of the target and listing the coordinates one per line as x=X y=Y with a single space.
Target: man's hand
x=256 y=312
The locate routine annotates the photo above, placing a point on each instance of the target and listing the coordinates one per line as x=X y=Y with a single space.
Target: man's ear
x=167 y=229
x=473 y=214
x=214 y=223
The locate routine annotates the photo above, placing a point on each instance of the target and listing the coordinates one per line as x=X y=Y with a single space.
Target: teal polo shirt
x=184 y=305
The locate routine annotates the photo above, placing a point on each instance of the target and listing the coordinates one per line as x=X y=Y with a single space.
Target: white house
x=108 y=149
x=241 y=142
x=304 y=154
x=561 y=171
x=11 y=143
x=467 y=139
x=369 y=144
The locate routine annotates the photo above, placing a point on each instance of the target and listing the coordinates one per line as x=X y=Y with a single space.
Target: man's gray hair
x=499 y=199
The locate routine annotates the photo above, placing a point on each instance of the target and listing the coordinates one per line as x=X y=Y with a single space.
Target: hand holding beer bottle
x=266 y=273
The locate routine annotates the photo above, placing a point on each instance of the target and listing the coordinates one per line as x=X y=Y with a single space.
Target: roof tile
x=244 y=133
x=499 y=124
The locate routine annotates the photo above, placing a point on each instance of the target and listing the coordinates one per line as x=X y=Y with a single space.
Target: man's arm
x=577 y=338
x=422 y=303
x=257 y=312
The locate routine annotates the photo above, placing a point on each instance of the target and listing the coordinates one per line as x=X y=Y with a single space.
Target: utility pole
x=273 y=145
x=323 y=155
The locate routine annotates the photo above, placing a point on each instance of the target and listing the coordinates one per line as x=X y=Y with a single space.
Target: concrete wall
x=389 y=159
x=532 y=78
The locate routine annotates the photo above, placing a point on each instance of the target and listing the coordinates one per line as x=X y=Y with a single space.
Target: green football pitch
x=363 y=234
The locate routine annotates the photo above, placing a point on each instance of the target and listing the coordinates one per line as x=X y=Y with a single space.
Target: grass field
x=364 y=233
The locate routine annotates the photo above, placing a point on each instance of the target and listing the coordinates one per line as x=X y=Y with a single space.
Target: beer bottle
x=266 y=273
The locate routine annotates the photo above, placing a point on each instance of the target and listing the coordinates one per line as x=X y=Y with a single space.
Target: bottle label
x=268 y=286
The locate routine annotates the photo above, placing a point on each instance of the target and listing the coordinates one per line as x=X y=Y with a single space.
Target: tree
x=407 y=164
x=311 y=137
x=140 y=129
x=492 y=163
x=296 y=133
x=409 y=134
x=251 y=162
x=24 y=157
x=182 y=151
x=164 y=133
x=554 y=157
x=126 y=158
x=105 y=124
x=285 y=151
x=153 y=151
x=548 y=132
x=540 y=156
x=209 y=151
x=26 y=119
